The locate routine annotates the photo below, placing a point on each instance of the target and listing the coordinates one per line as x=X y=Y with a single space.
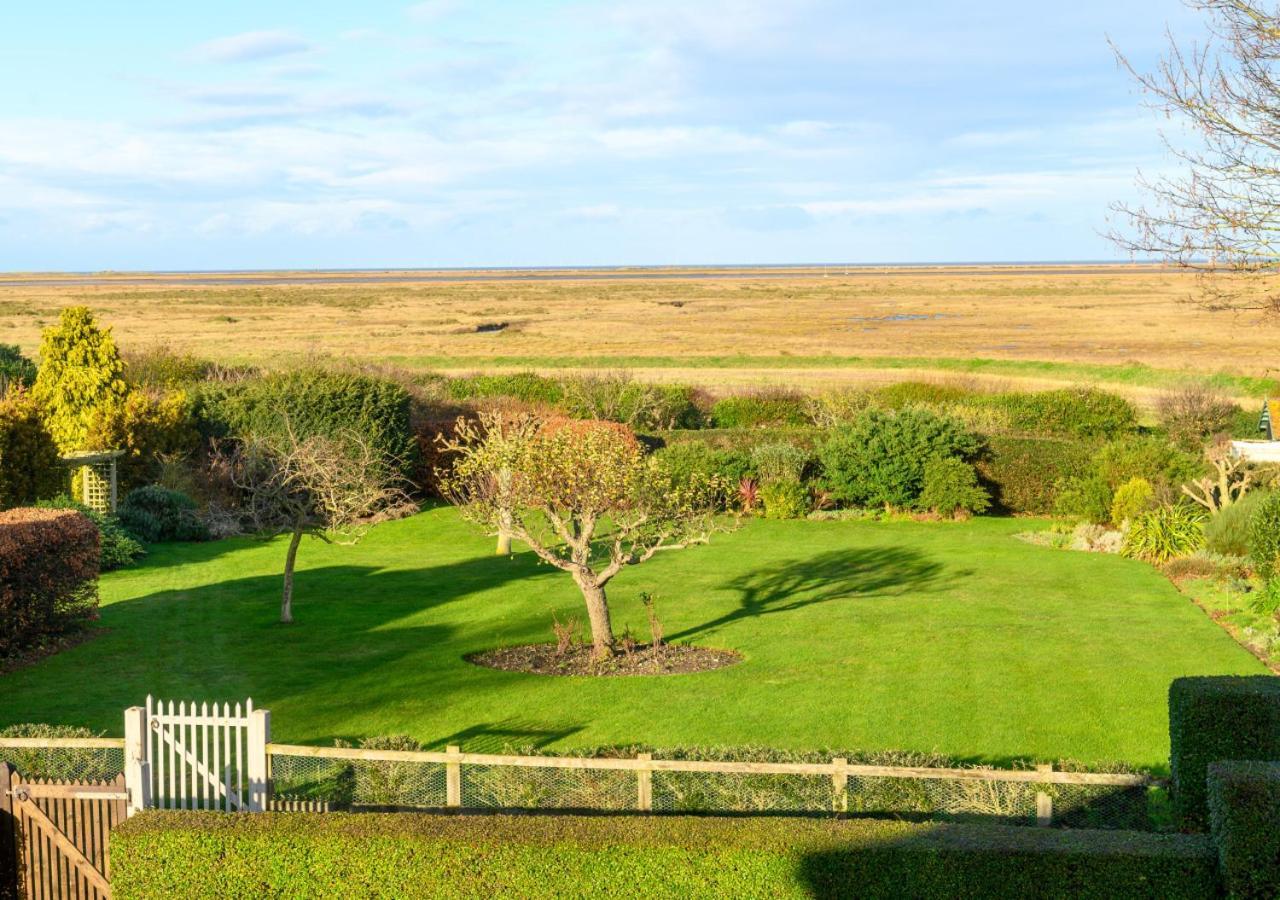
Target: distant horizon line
x=950 y=264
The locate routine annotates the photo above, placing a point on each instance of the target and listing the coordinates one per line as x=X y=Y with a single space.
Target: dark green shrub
x=527 y=387
x=951 y=487
x=692 y=461
x=1244 y=816
x=763 y=409
x=1165 y=533
x=1227 y=532
x=30 y=469
x=879 y=459
x=1264 y=536
x=312 y=402
x=1148 y=457
x=16 y=371
x=119 y=549
x=166 y=854
x=1216 y=718
x=1026 y=474
x=154 y=514
x=1072 y=412
x=784 y=499
x=1085 y=499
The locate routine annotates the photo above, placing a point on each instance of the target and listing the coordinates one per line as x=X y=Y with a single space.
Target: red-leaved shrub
x=48 y=576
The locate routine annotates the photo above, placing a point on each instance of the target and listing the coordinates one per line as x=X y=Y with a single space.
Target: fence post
x=644 y=784
x=453 y=777
x=8 y=837
x=258 y=737
x=137 y=768
x=1044 y=803
x=840 y=784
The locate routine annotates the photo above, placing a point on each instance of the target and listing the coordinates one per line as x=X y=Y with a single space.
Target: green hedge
x=1071 y=412
x=170 y=854
x=312 y=401
x=1026 y=473
x=1244 y=812
x=1226 y=717
x=762 y=410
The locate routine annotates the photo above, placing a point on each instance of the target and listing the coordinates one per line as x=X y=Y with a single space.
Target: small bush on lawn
x=784 y=499
x=1244 y=816
x=118 y=548
x=1264 y=536
x=763 y=409
x=1086 y=500
x=1165 y=533
x=1133 y=498
x=162 y=854
x=1217 y=718
x=48 y=577
x=30 y=469
x=154 y=514
x=1227 y=531
x=1073 y=412
x=951 y=488
x=1027 y=474
x=879 y=460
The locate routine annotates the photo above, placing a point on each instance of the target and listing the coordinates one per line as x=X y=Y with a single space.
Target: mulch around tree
x=543 y=659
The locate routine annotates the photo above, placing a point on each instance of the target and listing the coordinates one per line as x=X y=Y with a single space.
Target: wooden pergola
x=99 y=481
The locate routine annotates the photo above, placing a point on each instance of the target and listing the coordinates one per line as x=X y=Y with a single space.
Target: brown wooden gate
x=56 y=835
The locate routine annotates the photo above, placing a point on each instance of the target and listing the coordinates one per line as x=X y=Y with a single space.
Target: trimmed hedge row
x=1025 y=474
x=1244 y=812
x=1215 y=718
x=168 y=854
x=48 y=576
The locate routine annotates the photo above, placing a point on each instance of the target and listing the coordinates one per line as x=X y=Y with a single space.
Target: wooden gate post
x=8 y=838
x=258 y=737
x=137 y=768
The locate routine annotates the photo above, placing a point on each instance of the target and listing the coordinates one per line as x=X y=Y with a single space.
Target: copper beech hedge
x=48 y=577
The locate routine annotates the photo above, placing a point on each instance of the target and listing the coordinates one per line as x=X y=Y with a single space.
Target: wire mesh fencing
x=77 y=761
x=420 y=781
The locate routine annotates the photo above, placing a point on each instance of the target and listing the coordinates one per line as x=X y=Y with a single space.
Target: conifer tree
x=80 y=371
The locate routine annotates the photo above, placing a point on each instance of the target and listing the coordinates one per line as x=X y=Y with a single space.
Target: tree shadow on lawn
x=223 y=641
x=835 y=575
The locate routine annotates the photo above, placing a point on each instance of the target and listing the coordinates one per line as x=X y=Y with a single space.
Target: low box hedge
x=183 y=854
x=1215 y=718
x=1244 y=812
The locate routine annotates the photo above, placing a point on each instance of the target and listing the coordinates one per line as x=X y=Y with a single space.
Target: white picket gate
x=180 y=756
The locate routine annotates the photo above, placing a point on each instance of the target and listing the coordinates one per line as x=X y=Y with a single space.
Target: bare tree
x=583 y=496
x=327 y=487
x=1221 y=215
x=1234 y=477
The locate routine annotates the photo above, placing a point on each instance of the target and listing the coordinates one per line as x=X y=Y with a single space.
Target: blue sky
x=239 y=134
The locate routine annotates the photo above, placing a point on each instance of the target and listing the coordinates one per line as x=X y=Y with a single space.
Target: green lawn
x=948 y=637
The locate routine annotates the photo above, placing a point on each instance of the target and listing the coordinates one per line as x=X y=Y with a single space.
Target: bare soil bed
x=545 y=659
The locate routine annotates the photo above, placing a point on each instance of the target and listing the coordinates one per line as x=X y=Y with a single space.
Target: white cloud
x=431 y=10
x=250 y=46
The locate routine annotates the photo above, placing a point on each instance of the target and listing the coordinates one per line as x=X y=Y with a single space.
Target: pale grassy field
x=1129 y=327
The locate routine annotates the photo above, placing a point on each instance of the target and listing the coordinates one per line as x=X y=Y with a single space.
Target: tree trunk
x=504 y=535
x=286 y=599
x=598 y=613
